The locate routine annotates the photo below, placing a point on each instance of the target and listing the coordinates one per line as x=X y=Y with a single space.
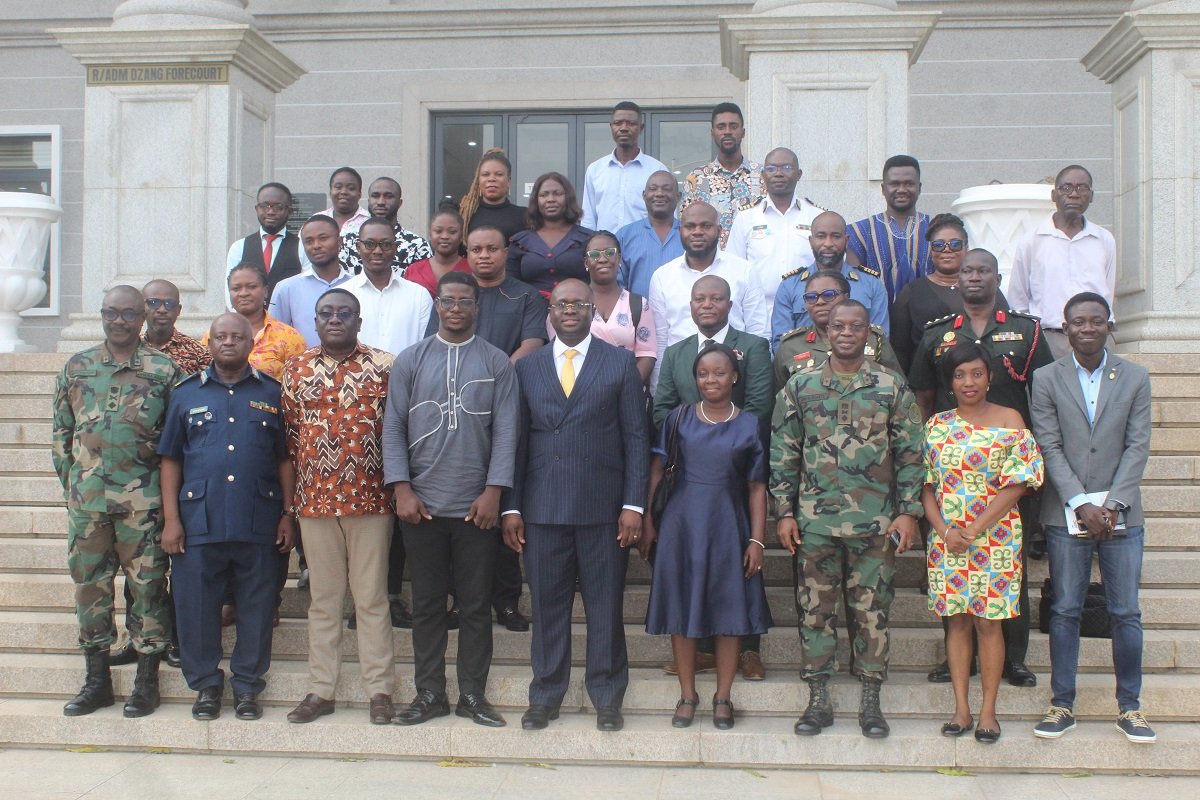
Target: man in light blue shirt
x=649 y=243
x=612 y=185
x=294 y=300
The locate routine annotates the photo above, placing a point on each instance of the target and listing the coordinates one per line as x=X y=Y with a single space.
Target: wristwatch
x=1115 y=505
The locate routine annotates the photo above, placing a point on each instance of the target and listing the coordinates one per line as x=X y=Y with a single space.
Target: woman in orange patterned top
x=274 y=342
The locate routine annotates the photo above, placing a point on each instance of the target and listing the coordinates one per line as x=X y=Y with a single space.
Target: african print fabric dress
x=967 y=466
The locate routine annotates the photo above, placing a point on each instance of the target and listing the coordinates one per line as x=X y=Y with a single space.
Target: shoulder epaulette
x=939 y=321
x=814 y=205
x=193 y=376
x=752 y=203
x=801 y=271
x=878 y=330
x=869 y=270
x=795 y=332
x=1024 y=315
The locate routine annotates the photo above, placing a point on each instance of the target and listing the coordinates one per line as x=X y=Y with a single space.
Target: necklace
x=732 y=409
x=909 y=228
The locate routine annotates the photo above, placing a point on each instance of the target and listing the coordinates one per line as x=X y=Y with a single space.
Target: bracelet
x=757 y=542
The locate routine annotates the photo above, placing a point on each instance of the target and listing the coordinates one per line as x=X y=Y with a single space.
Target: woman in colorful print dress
x=979 y=461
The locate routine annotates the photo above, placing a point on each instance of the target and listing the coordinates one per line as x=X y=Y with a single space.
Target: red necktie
x=268 y=251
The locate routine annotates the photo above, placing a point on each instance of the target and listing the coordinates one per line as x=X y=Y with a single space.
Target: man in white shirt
x=1066 y=254
x=394 y=311
x=671 y=285
x=280 y=250
x=772 y=233
x=612 y=185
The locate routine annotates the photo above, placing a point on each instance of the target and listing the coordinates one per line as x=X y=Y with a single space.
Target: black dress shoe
x=424 y=707
x=171 y=657
x=609 y=719
x=352 y=623
x=512 y=619
x=208 y=704
x=538 y=717
x=476 y=708
x=401 y=616
x=1036 y=550
x=1019 y=675
x=245 y=706
x=125 y=654
x=452 y=619
x=939 y=674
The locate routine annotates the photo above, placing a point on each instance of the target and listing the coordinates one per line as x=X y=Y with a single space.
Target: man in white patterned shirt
x=384 y=198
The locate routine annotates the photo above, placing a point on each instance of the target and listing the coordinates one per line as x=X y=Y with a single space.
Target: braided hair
x=470 y=202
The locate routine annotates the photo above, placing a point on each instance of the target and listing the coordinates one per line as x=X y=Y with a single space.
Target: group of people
x=562 y=384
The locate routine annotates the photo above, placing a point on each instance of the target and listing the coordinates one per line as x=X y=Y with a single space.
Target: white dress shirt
x=1050 y=268
x=671 y=294
x=234 y=256
x=773 y=241
x=718 y=337
x=612 y=191
x=393 y=318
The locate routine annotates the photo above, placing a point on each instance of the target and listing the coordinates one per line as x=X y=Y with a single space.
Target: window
x=30 y=162
x=566 y=142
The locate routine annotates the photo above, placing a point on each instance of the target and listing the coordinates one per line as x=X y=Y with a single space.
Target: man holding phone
x=1091 y=417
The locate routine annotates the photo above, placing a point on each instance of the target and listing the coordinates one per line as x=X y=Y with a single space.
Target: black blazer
x=580 y=458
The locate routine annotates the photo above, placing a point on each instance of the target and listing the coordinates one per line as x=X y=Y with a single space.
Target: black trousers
x=449 y=554
x=396 y=557
x=202 y=576
x=506 y=579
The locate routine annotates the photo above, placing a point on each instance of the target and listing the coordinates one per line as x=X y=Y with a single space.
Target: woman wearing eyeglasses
x=621 y=317
x=552 y=249
x=936 y=295
x=808 y=347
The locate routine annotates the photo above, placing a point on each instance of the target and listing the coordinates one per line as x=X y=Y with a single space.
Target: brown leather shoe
x=310 y=708
x=381 y=709
x=751 y=666
x=705 y=662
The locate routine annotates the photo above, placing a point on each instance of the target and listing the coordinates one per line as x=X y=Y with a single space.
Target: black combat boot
x=97 y=691
x=819 y=714
x=144 y=698
x=870 y=718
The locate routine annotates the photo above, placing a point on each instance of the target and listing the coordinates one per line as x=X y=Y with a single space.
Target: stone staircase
x=40 y=666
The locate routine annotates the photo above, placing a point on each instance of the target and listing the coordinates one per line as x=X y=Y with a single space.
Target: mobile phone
x=895 y=537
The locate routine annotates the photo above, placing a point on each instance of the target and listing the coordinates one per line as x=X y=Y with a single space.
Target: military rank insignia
x=261 y=406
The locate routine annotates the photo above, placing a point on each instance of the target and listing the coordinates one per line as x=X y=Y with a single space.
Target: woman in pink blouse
x=614 y=320
x=446 y=238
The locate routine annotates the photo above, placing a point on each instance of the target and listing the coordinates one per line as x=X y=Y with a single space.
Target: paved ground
x=64 y=775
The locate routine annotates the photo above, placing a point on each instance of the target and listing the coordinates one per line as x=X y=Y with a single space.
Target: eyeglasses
x=1072 y=188
x=465 y=303
x=154 y=303
x=271 y=206
x=853 y=327
x=371 y=245
x=827 y=295
x=942 y=245
x=112 y=315
x=596 y=255
x=342 y=314
x=580 y=307
x=786 y=169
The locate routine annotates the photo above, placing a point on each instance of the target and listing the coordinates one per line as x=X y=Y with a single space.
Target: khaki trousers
x=353 y=551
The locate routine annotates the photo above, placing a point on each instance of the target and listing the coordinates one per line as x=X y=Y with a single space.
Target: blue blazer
x=580 y=458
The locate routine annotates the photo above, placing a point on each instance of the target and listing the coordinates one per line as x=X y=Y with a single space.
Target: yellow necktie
x=568 y=372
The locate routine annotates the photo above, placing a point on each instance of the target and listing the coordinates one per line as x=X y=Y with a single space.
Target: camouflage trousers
x=860 y=570
x=97 y=546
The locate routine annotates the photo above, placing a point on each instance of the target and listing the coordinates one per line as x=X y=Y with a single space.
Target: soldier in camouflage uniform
x=804 y=348
x=846 y=472
x=109 y=406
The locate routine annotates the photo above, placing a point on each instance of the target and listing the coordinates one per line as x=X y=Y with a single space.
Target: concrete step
x=32 y=490
x=30 y=521
x=29 y=384
x=24 y=434
x=1175 y=412
x=912 y=648
x=1170 y=698
x=756 y=742
x=37 y=407
x=1161 y=608
x=1168 y=441
x=49 y=363
x=32 y=462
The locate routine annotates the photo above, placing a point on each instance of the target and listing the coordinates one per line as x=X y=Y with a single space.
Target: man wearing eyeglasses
x=449 y=447
x=1064 y=255
x=293 y=299
x=772 y=231
x=394 y=311
x=277 y=248
x=333 y=405
x=110 y=404
x=384 y=198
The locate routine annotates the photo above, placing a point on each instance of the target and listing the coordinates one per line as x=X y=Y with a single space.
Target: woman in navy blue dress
x=707 y=578
x=552 y=249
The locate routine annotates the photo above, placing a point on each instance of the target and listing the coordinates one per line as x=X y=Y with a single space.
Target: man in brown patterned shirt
x=162 y=312
x=333 y=404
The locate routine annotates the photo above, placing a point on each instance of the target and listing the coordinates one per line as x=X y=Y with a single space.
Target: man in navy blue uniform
x=227 y=484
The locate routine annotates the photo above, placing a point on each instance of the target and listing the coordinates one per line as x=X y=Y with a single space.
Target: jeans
x=1121 y=572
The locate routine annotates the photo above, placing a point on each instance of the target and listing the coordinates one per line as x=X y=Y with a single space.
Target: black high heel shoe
x=722 y=723
x=680 y=721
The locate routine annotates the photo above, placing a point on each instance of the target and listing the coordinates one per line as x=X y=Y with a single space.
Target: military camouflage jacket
x=107 y=420
x=804 y=348
x=845 y=461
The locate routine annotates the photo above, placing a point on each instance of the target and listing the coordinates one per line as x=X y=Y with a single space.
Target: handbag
x=662 y=492
x=1094 y=621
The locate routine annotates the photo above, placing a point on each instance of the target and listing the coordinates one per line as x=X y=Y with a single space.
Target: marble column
x=830 y=81
x=1151 y=59
x=179 y=111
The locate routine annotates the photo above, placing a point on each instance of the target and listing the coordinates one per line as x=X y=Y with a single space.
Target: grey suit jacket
x=1108 y=455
